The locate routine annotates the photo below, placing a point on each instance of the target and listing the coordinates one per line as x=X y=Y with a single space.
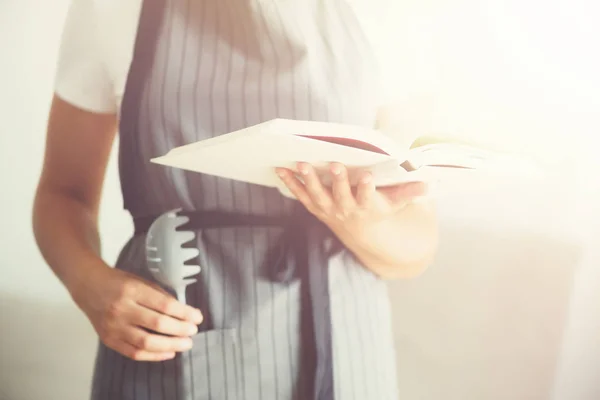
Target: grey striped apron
x=203 y=68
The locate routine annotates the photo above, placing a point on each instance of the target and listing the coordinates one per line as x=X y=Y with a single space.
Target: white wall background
x=511 y=308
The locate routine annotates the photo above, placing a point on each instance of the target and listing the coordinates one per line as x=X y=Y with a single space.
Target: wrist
x=86 y=274
x=399 y=246
x=359 y=239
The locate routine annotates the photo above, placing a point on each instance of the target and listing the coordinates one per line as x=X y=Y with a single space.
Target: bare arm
x=121 y=307
x=68 y=195
x=402 y=246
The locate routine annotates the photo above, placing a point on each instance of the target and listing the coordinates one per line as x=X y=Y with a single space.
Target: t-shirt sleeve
x=82 y=78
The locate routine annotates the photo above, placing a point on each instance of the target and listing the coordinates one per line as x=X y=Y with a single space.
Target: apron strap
x=146 y=41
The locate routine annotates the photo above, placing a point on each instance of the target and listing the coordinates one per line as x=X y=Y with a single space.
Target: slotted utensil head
x=166 y=257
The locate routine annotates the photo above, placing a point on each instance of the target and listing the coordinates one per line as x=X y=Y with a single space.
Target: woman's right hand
x=122 y=308
x=137 y=318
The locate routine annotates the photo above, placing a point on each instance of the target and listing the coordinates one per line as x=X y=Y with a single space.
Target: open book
x=252 y=154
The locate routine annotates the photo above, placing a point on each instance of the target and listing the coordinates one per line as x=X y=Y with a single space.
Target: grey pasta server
x=166 y=256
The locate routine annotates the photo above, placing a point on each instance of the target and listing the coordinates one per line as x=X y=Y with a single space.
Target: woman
x=170 y=72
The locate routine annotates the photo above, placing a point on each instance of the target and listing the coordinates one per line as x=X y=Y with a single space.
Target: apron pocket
x=211 y=369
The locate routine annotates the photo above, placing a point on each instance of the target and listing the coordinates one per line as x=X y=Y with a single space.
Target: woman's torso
x=220 y=66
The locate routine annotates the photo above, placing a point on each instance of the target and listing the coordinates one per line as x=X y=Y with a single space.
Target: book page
x=253 y=156
x=432 y=140
x=365 y=138
x=433 y=152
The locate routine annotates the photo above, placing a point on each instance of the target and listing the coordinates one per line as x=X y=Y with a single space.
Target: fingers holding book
x=333 y=199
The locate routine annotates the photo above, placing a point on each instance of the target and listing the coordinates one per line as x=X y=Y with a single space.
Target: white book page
x=253 y=157
x=303 y=129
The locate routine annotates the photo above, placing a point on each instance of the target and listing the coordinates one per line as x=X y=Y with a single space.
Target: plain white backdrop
x=511 y=308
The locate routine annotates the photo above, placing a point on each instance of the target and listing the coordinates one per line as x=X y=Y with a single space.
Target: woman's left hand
x=347 y=209
x=388 y=232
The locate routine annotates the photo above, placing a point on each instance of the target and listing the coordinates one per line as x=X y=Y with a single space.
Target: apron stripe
x=132 y=379
x=216 y=193
x=350 y=347
x=234 y=232
x=257 y=328
x=222 y=197
x=361 y=317
x=262 y=113
x=176 y=386
x=352 y=320
x=163 y=377
x=98 y=373
x=109 y=363
x=276 y=110
x=374 y=358
x=381 y=326
x=293 y=111
x=127 y=369
x=112 y=372
x=245 y=32
x=202 y=299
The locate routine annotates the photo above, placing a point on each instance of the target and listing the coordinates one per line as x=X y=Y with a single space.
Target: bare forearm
x=67 y=235
x=400 y=247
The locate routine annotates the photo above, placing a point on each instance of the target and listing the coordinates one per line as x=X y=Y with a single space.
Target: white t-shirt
x=95 y=53
x=99 y=36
